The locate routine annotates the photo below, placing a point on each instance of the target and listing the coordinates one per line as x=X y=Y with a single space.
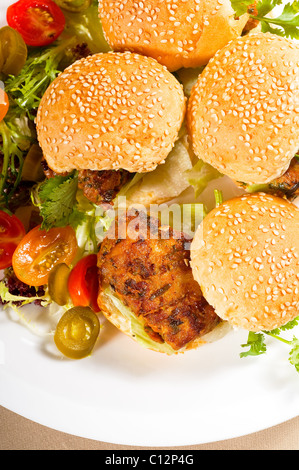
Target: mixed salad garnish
x=49 y=230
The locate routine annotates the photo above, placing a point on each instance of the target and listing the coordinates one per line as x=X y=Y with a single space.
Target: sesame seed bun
x=243 y=114
x=177 y=34
x=110 y=111
x=245 y=257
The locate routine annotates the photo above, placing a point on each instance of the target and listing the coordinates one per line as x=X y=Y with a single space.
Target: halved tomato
x=83 y=283
x=39 y=22
x=11 y=233
x=40 y=251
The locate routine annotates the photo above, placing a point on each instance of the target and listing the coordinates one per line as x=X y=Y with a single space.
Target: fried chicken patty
x=102 y=186
x=150 y=274
x=99 y=187
x=288 y=184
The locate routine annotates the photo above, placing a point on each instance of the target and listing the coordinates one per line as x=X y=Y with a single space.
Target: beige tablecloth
x=18 y=433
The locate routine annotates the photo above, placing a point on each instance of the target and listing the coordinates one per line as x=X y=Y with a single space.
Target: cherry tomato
x=39 y=22
x=77 y=332
x=4 y=104
x=11 y=233
x=40 y=251
x=83 y=283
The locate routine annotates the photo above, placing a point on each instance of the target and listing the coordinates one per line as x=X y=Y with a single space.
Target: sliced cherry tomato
x=4 y=104
x=40 y=251
x=11 y=233
x=39 y=22
x=77 y=332
x=83 y=283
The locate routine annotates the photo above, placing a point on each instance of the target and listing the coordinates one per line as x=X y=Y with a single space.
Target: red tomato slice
x=40 y=251
x=39 y=22
x=83 y=283
x=11 y=233
x=4 y=104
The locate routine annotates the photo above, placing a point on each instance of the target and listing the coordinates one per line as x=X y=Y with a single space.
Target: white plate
x=126 y=395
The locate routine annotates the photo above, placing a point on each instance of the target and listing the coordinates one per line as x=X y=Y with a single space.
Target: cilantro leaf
x=290 y=325
x=265 y=6
x=241 y=7
x=256 y=344
x=286 y=25
x=58 y=205
x=294 y=353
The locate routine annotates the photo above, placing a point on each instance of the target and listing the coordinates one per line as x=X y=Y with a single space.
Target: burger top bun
x=245 y=257
x=243 y=115
x=110 y=111
x=178 y=34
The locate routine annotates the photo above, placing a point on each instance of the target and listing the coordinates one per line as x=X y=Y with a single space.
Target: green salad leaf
x=9 y=298
x=26 y=89
x=137 y=327
x=200 y=175
x=16 y=137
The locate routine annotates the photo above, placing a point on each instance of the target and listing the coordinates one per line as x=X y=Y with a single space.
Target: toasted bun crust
x=243 y=115
x=113 y=315
x=245 y=257
x=110 y=111
x=177 y=34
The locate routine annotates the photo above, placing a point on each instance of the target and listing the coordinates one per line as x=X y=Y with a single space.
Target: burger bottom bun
x=123 y=324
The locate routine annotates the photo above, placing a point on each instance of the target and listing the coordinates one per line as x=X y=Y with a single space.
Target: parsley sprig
x=61 y=202
x=57 y=201
x=286 y=24
x=256 y=343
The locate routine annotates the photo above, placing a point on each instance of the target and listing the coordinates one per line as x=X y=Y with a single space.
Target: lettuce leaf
x=137 y=327
x=9 y=298
x=200 y=176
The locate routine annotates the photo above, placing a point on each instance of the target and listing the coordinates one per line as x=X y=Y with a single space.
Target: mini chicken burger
x=242 y=271
x=245 y=257
x=243 y=114
x=110 y=111
x=184 y=33
x=109 y=116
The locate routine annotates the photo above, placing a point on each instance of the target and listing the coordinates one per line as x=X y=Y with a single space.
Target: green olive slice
x=13 y=51
x=57 y=283
x=74 y=5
